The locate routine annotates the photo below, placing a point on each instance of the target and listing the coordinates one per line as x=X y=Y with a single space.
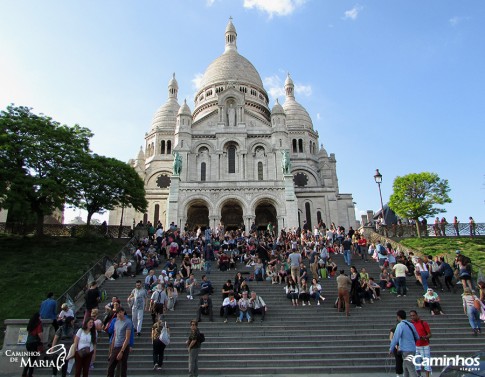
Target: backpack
x=382 y=250
x=200 y=338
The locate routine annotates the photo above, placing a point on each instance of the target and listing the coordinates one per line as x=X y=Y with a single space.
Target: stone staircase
x=312 y=340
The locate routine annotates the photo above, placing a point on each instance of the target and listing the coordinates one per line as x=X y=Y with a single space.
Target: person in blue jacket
x=406 y=336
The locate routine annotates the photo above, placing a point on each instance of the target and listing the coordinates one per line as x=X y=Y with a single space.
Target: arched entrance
x=197 y=215
x=232 y=215
x=265 y=213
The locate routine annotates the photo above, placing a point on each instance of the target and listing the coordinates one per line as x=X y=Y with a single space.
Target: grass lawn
x=31 y=267
x=474 y=248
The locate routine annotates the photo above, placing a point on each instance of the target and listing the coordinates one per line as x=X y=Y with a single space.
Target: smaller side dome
x=141 y=155
x=277 y=109
x=184 y=109
x=166 y=114
x=322 y=152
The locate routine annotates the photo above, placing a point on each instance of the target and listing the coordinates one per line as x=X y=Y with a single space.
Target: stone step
x=310 y=340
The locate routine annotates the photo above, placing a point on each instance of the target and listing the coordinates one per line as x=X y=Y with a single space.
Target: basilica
x=233 y=160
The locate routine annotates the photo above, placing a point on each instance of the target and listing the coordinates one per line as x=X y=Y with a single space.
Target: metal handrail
x=74 y=292
x=432 y=230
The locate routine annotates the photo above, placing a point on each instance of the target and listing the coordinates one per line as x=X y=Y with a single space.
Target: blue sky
x=394 y=85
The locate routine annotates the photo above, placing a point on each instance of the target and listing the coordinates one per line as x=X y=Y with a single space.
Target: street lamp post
x=378 y=179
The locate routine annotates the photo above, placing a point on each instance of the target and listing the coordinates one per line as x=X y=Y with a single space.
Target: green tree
x=105 y=183
x=39 y=158
x=418 y=194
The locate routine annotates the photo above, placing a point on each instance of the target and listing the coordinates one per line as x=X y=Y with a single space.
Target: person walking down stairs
x=471 y=310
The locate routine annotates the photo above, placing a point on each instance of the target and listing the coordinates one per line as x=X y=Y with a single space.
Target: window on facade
x=300 y=145
x=231 y=155
x=162 y=147
x=308 y=215
x=169 y=147
x=202 y=171
x=294 y=146
x=156 y=216
x=260 y=171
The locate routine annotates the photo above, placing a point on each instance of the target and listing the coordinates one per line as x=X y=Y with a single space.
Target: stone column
x=173 y=200
x=214 y=220
x=248 y=221
x=281 y=224
x=290 y=201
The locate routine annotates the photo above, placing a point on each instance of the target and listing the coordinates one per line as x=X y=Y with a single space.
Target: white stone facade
x=231 y=147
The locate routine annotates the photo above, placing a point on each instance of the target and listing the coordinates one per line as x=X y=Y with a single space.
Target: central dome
x=231 y=66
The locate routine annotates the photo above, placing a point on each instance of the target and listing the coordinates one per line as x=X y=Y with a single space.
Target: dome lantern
x=289 y=87
x=173 y=87
x=231 y=37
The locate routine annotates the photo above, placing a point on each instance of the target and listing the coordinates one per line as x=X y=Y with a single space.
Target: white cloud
x=305 y=90
x=353 y=13
x=196 y=81
x=454 y=21
x=319 y=116
x=209 y=3
x=274 y=7
x=275 y=85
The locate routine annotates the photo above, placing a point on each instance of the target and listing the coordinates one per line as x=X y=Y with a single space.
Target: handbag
x=83 y=352
x=482 y=312
x=477 y=304
x=72 y=351
x=164 y=335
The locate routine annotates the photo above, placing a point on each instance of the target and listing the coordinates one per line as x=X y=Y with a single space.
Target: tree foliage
x=37 y=155
x=105 y=183
x=418 y=195
x=45 y=165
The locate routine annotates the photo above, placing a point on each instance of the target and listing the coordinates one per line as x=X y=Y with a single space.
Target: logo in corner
x=60 y=351
x=410 y=358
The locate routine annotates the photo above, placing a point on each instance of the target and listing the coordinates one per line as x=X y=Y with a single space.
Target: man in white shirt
x=158 y=302
x=138 y=297
x=257 y=306
x=229 y=306
x=159 y=237
x=65 y=312
x=400 y=271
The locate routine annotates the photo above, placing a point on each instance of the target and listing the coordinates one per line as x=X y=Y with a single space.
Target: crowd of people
x=258 y=255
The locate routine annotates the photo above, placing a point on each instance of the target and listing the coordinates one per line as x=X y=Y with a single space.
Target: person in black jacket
x=93 y=297
x=205 y=307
